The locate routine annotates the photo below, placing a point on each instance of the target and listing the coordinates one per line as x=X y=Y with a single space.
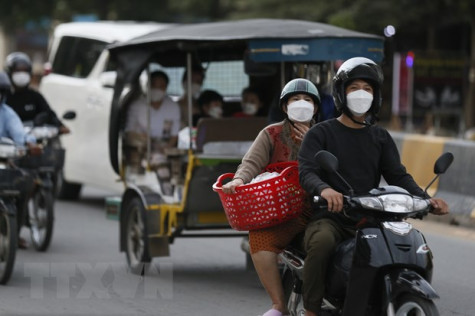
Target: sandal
x=22 y=243
x=272 y=312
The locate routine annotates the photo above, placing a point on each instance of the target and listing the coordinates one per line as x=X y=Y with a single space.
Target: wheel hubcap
x=135 y=240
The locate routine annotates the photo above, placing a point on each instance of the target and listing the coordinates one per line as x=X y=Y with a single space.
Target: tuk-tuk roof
x=246 y=29
x=268 y=40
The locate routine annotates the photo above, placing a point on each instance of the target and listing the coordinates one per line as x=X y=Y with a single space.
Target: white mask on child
x=195 y=89
x=215 y=112
x=359 y=102
x=300 y=111
x=249 y=108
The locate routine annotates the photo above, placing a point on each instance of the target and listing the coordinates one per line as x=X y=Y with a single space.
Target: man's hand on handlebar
x=334 y=199
x=64 y=130
x=440 y=206
x=34 y=149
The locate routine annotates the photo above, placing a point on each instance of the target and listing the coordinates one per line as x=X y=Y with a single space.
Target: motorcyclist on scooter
x=27 y=102
x=12 y=127
x=365 y=153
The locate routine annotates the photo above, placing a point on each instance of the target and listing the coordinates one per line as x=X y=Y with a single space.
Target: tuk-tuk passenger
x=251 y=103
x=164 y=126
x=210 y=103
x=278 y=142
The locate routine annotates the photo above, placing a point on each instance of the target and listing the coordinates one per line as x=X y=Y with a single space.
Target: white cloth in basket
x=265 y=176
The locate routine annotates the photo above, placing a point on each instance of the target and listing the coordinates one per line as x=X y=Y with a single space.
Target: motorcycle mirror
x=69 y=115
x=327 y=161
x=440 y=166
x=40 y=119
x=443 y=163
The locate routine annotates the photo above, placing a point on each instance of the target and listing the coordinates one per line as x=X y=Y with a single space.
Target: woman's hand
x=300 y=129
x=440 y=206
x=334 y=199
x=230 y=187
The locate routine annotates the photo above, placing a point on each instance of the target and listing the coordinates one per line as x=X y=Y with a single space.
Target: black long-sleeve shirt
x=364 y=155
x=28 y=103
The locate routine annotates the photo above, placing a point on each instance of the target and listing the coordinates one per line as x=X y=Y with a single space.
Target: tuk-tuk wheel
x=136 y=236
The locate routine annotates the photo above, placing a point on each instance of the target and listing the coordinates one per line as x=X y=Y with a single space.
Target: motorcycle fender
x=407 y=281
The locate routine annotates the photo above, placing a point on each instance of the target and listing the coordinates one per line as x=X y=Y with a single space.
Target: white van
x=81 y=80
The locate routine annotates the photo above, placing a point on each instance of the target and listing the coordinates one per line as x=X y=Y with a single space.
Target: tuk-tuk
x=270 y=53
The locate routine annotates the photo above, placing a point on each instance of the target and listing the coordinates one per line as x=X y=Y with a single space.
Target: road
x=83 y=272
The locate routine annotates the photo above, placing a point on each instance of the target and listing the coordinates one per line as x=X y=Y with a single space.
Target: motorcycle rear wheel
x=41 y=219
x=8 y=245
x=411 y=304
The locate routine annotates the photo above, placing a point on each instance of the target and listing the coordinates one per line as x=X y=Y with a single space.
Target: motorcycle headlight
x=397 y=203
x=42 y=132
x=420 y=204
x=7 y=151
x=371 y=203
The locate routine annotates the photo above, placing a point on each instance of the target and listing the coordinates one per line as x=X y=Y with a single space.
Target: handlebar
x=355 y=209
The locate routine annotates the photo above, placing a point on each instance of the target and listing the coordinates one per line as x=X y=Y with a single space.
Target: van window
x=77 y=56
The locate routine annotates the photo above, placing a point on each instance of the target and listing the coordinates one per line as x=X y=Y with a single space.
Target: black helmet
x=5 y=86
x=297 y=86
x=358 y=68
x=16 y=59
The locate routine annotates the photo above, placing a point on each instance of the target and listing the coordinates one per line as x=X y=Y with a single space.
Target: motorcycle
x=386 y=269
x=10 y=185
x=45 y=169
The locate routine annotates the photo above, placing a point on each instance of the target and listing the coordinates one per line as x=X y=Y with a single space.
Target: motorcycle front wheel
x=8 y=244
x=410 y=304
x=41 y=219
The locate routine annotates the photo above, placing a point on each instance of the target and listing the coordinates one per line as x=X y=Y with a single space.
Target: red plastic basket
x=265 y=203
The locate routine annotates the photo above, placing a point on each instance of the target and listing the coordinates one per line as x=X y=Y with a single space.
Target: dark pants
x=321 y=238
x=25 y=185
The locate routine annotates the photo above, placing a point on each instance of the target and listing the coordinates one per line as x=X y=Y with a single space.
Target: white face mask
x=300 y=111
x=195 y=89
x=359 y=102
x=156 y=95
x=249 y=108
x=21 y=78
x=215 y=112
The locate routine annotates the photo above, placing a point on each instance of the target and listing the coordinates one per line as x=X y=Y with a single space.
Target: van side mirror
x=107 y=79
x=69 y=115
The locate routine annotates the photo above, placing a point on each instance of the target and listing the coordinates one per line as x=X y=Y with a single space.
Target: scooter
x=386 y=269
x=10 y=179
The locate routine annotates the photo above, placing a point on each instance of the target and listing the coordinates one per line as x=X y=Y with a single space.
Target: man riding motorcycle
x=365 y=151
x=12 y=127
x=27 y=102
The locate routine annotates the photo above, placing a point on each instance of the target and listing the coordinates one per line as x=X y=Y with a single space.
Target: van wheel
x=66 y=190
x=136 y=236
